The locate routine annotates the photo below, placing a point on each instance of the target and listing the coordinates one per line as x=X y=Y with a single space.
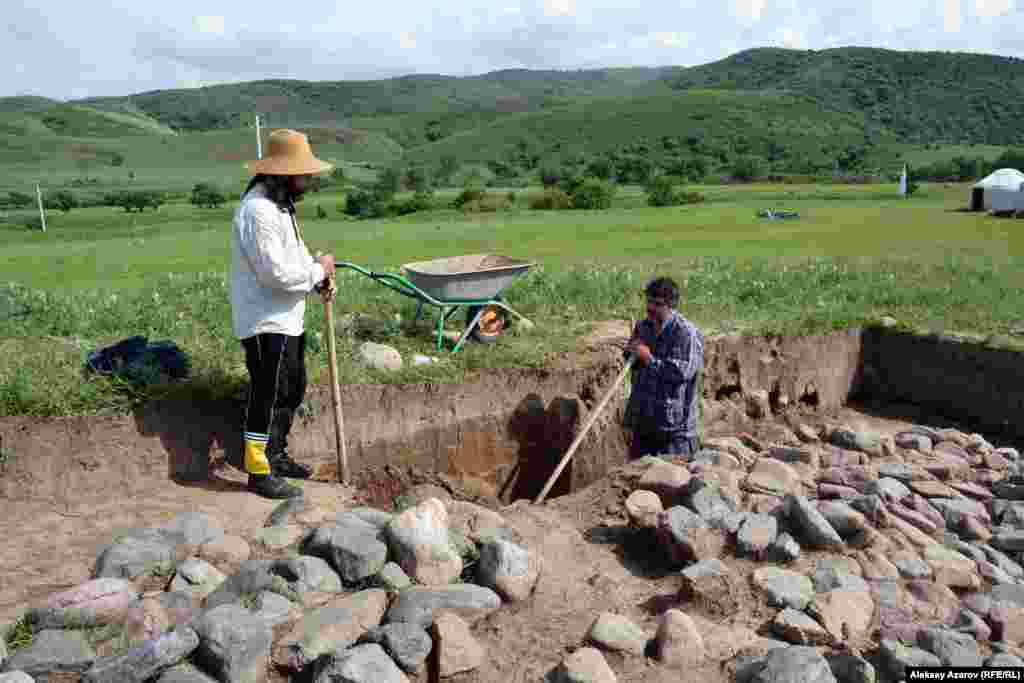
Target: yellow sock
x=255 y=453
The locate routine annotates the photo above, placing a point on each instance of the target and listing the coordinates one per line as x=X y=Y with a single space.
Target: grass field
x=856 y=253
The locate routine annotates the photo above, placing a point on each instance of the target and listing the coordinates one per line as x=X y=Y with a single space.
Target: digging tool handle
x=339 y=422
x=583 y=432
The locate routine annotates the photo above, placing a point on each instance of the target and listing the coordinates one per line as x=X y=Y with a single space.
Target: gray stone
x=899 y=471
x=307 y=573
x=756 y=535
x=193 y=528
x=702 y=571
x=197 y=577
x=140 y=663
x=354 y=549
x=968 y=550
x=408 y=644
x=15 y=677
x=798 y=628
x=952 y=648
x=1013 y=594
x=873 y=508
x=52 y=652
x=361 y=664
x=234 y=644
x=421 y=544
x=784 y=588
x=135 y=554
x=849 y=668
x=791 y=455
x=393 y=578
x=285 y=512
x=184 y=673
x=813 y=527
x=584 y=665
x=252 y=577
x=1005 y=660
x=417 y=605
x=913 y=568
x=1008 y=490
x=378 y=519
x=707 y=500
x=827 y=577
x=684 y=534
x=785 y=549
x=1002 y=561
x=1008 y=513
x=331 y=628
x=508 y=569
x=730 y=523
x=888 y=489
x=896 y=657
x=272 y=608
x=794 y=664
x=917 y=442
x=616 y=632
x=843 y=518
x=866 y=442
x=954 y=509
x=1009 y=540
x=970 y=623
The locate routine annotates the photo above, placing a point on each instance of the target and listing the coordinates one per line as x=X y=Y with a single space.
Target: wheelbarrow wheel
x=491 y=325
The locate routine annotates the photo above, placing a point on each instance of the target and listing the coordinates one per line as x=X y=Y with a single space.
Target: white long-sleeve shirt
x=272 y=272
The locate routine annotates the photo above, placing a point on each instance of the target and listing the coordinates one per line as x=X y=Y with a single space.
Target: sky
x=72 y=50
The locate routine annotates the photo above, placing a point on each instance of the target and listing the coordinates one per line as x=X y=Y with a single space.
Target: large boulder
x=234 y=644
x=509 y=569
x=354 y=548
x=420 y=541
x=142 y=663
x=418 y=605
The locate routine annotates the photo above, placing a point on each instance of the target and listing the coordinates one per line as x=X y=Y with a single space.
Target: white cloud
x=792 y=39
x=992 y=8
x=560 y=8
x=407 y=41
x=671 y=39
x=210 y=24
x=952 y=16
x=750 y=9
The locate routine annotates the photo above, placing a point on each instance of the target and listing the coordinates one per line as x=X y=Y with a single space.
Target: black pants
x=666 y=444
x=277 y=385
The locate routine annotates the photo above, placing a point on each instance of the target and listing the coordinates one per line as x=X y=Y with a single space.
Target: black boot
x=282 y=465
x=270 y=486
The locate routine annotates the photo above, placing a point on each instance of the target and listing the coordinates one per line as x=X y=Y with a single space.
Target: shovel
x=328 y=294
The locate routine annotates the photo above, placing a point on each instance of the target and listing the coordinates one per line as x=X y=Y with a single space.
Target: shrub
x=320 y=213
x=662 y=192
x=135 y=201
x=693 y=198
x=593 y=193
x=18 y=200
x=549 y=177
x=551 y=199
x=469 y=194
x=62 y=200
x=363 y=203
x=205 y=195
x=420 y=201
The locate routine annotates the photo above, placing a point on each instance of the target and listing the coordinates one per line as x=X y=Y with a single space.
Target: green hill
x=24 y=103
x=921 y=96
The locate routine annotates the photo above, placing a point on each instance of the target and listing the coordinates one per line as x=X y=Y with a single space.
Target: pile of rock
x=895 y=524
x=367 y=596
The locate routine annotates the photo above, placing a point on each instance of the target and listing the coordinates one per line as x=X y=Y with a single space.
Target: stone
x=1003 y=562
x=380 y=357
x=512 y=571
x=911 y=566
x=806 y=434
x=888 y=489
x=756 y=535
x=136 y=554
x=184 y=673
x=687 y=537
x=53 y=652
x=230 y=551
x=932 y=489
x=785 y=549
x=1008 y=540
x=367 y=663
x=666 y=480
x=914 y=535
x=828 y=577
x=707 y=500
x=1003 y=659
x=758 y=404
x=417 y=605
x=951 y=568
x=679 y=643
x=458 y=650
x=643 y=508
x=993 y=573
x=286 y=511
x=772 y=477
x=970 y=623
x=618 y=633
x=585 y=665
x=392 y=577
x=850 y=668
x=913 y=518
x=408 y=644
x=798 y=628
x=839 y=609
x=844 y=519
x=952 y=648
x=912 y=441
x=234 y=644
x=353 y=549
x=197 y=578
x=1008 y=490
x=1008 y=514
x=379 y=519
x=794 y=664
x=827 y=491
x=865 y=442
x=708 y=580
x=147 y=620
x=875 y=565
x=142 y=663
x=93 y=603
x=707 y=456
x=308 y=574
x=15 y=677
x=784 y=588
x=813 y=527
x=792 y=455
x=896 y=657
x=331 y=628
x=873 y=509
x=278 y=537
x=422 y=546
x=253 y=576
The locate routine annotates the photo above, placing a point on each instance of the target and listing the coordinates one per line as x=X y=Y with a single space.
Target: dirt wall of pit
x=500 y=435
x=979 y=386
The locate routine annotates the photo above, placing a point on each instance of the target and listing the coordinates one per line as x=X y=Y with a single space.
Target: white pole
x=259 y=142
x=42 y=214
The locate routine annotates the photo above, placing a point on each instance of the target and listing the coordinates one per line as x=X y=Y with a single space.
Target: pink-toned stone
x=913 y=517
x=926 y=509
x=972 y=490
x=854 y=476
x=826 y=490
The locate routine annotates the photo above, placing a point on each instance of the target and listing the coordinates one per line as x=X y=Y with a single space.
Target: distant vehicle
x=777 y=215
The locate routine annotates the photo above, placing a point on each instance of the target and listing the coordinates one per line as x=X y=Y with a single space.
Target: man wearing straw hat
x=272 y=273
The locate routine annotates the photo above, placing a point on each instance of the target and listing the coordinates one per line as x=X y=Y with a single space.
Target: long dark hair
x=277 y=190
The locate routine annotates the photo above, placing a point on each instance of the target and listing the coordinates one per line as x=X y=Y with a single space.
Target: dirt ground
x=592 y=564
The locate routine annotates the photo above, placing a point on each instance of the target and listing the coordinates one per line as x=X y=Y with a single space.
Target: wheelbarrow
x=474 y=281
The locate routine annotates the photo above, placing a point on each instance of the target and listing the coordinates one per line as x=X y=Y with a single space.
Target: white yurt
x=1002 y=190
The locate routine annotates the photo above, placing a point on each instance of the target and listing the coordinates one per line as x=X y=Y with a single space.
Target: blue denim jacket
x=664 y=396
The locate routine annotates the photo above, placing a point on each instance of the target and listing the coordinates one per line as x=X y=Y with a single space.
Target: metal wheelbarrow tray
x=473 y=280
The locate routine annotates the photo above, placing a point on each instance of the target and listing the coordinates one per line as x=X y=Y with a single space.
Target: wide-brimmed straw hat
x=289 y=153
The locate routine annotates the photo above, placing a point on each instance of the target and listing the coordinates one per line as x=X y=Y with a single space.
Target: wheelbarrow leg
x=419 y=311
x=469 y=328
x=440 y=329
